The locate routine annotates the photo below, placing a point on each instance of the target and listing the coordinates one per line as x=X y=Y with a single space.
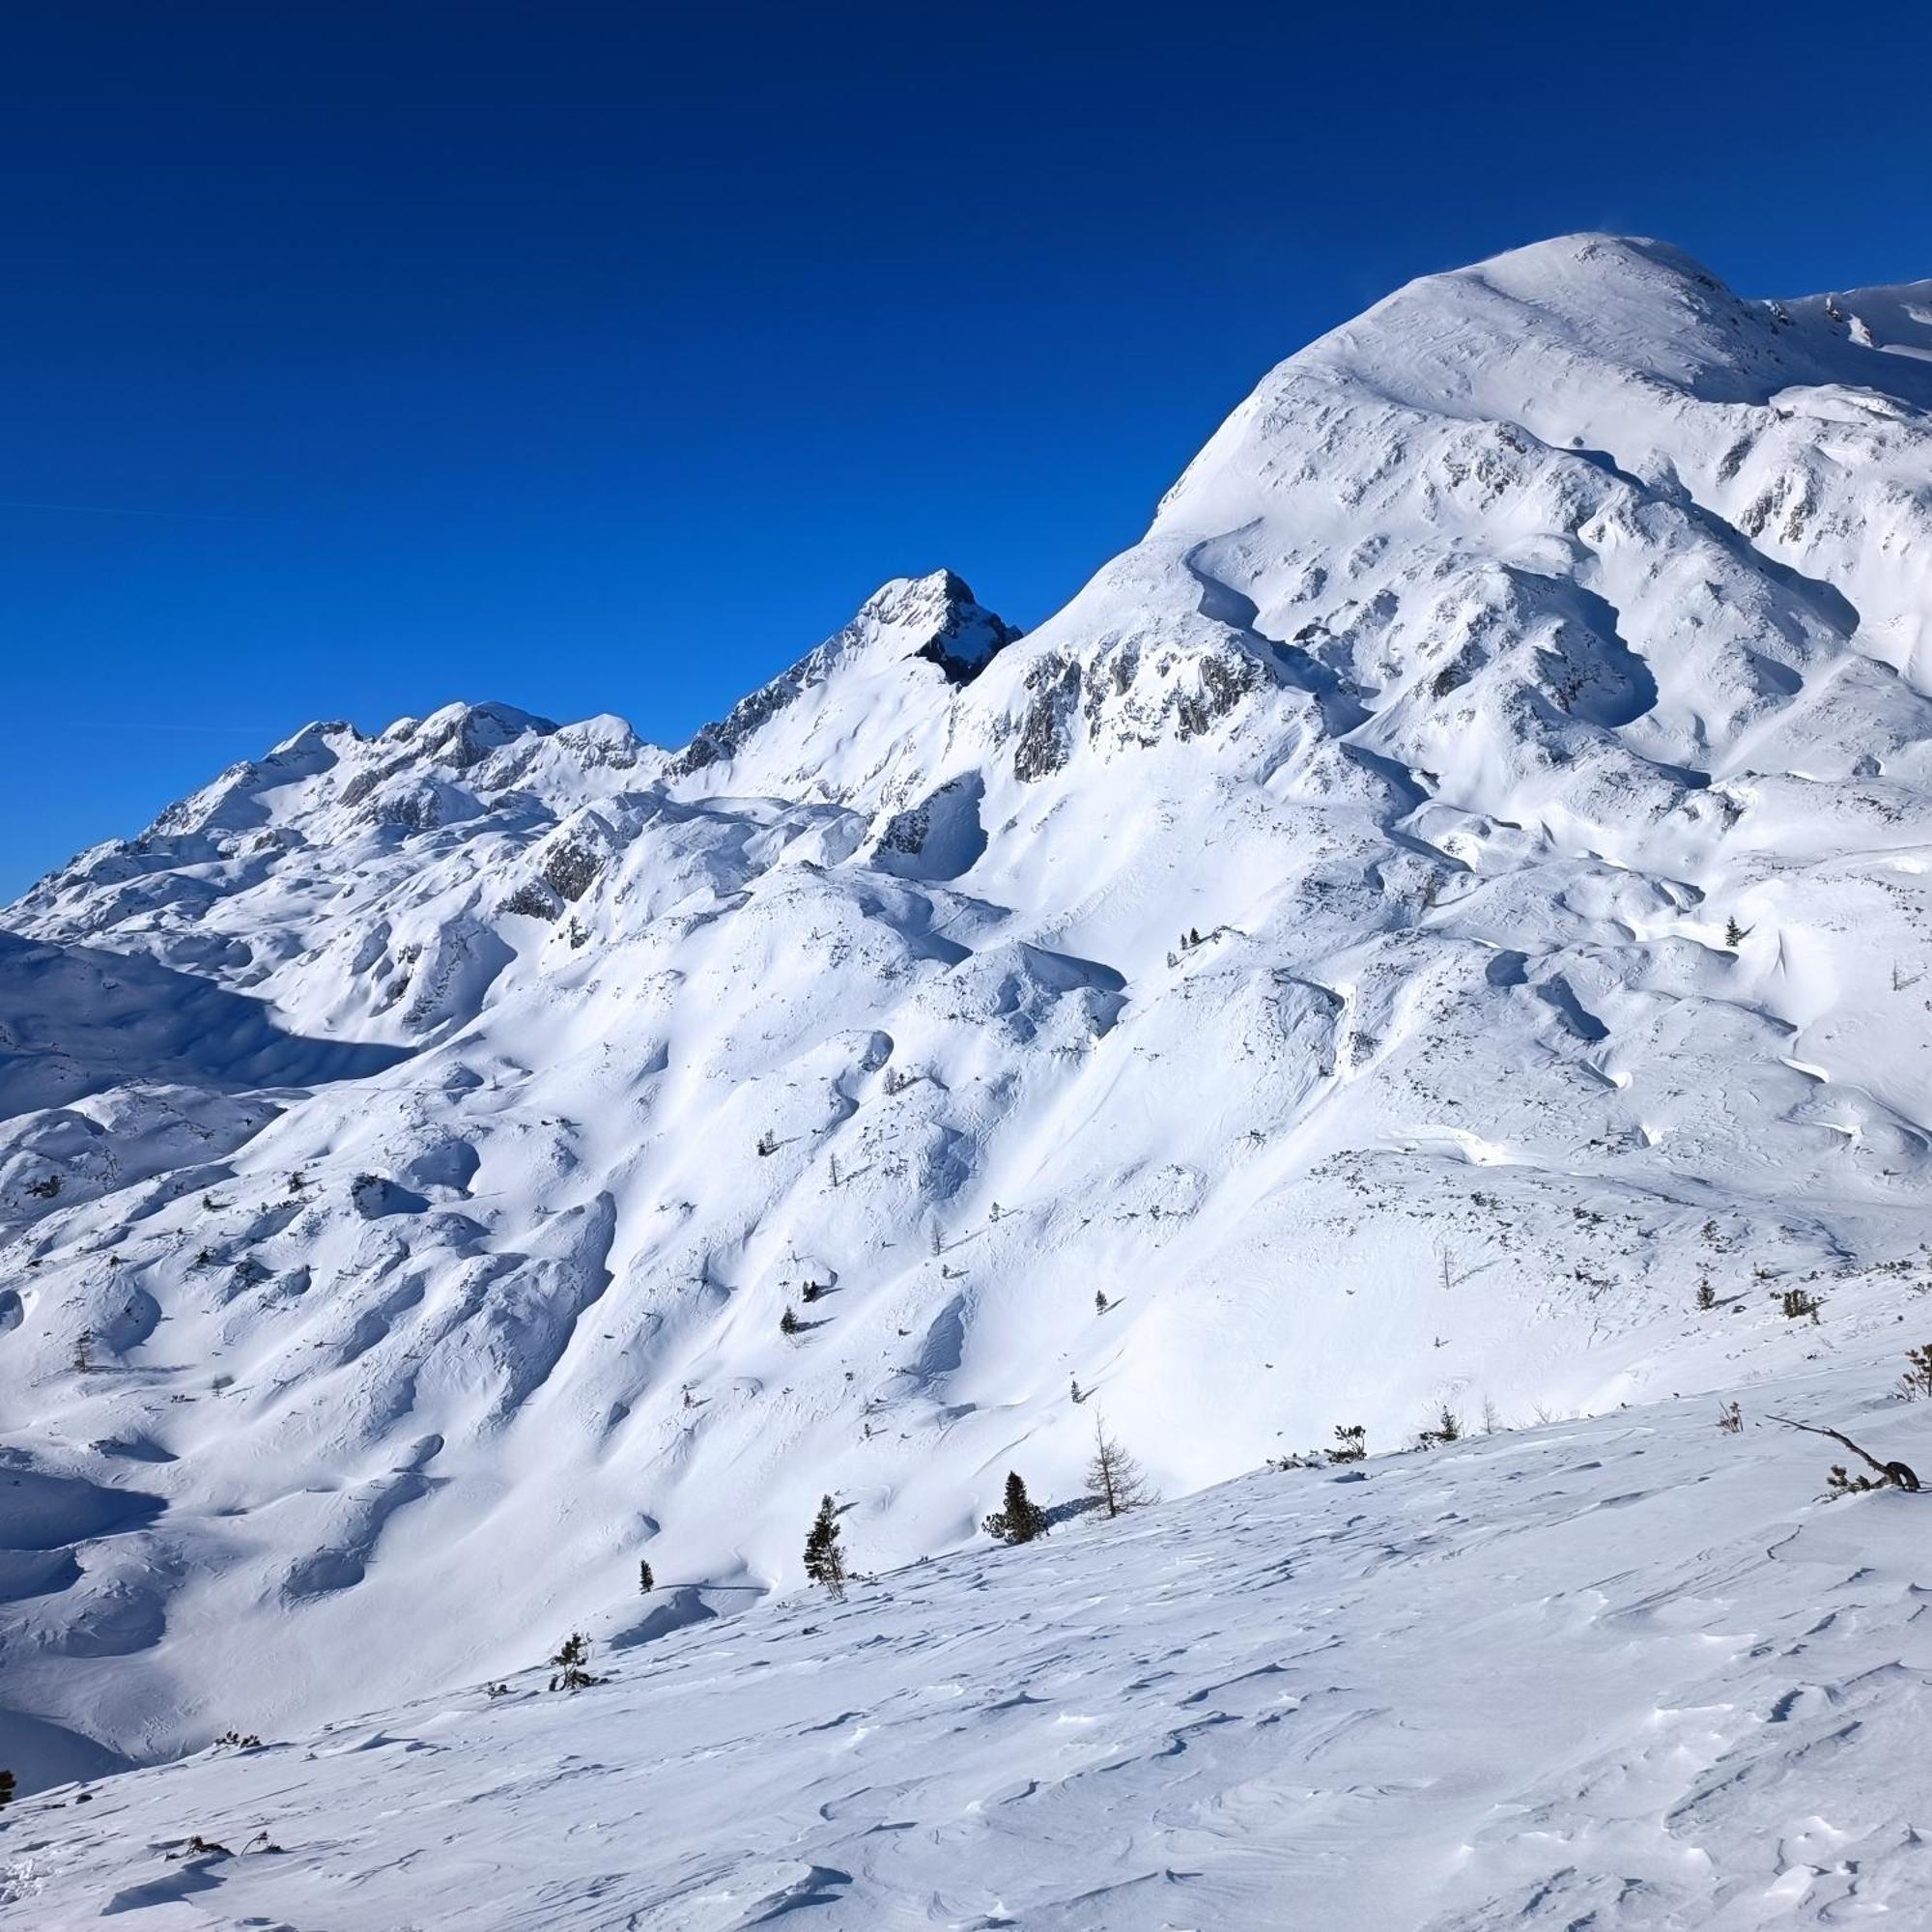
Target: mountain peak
x=935 y=619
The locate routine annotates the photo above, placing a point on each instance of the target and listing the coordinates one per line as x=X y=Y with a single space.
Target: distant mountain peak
x=935 y=619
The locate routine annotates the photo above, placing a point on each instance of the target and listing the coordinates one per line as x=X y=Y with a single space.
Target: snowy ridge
x=1450 y=890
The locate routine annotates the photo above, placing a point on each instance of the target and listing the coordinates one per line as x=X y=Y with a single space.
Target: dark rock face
x=1046 y=730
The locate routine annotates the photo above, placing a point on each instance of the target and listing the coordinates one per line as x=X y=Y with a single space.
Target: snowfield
x=1624 y=1672
x=1441 y=921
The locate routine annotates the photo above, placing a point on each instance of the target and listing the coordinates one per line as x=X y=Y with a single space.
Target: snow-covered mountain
x=1452 y=889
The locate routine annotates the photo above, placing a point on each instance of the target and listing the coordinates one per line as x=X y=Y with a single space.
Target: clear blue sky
x=603 y=357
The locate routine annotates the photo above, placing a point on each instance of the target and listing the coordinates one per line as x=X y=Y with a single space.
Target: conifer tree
x=646 y=1582
x=787 y=1323
x=1115 y=1481
x=1022 y=1520
x=567 y=1666
x=824 y=1559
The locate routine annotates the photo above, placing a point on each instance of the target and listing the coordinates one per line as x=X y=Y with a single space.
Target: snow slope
x=1450 y=890
x=1625 y=1672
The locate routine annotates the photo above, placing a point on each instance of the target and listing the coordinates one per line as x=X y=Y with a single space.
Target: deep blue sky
x=603 y=357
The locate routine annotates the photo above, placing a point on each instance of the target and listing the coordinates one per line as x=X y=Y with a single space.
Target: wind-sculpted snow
x=1630 y=1672
x=1449 y=892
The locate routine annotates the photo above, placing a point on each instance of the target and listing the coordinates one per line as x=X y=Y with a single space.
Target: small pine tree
x=824 y=1557
x=1795 y=1303
x=1100 y=1301
x=788 y=1323
x=811 y=1291
x=1707 y=1297
x=646 y=1582
x=768 y=1144
x=567 y=1666
x=1917 y=1380
x=1735 y=934
x=832 y=1163
x=1351 y=1443
x=83 y=1362
x=1115 y=1481
x=1073 y=1389
x=6 y=1789
x=1022 y=1520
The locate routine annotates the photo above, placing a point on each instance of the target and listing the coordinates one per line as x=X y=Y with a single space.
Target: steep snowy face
x=1450 y=892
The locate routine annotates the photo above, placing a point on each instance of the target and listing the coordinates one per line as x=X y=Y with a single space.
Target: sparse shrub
x=1840 y=1483
x=1022 y=1520
x=1892 y=1475
x=1448 y=1429
x=496 y=1689
x=1730 y=1418
x=45 y=1189
x=237 y=1741
x=568 y=1665
x=1917 y=1380
x=1795 y=1303
x=198 y=1847
x=768 y=1144
x=83 y=1361
x=824 y=1554
x=8 y=1785
x=811 y=1291
x=1351 y=1443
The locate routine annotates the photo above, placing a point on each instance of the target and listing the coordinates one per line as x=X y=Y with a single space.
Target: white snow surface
x=1452 y=888
x=1625 y=1672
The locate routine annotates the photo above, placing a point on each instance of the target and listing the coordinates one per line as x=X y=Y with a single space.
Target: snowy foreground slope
x=1453 y=890
x=1616 y=1673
